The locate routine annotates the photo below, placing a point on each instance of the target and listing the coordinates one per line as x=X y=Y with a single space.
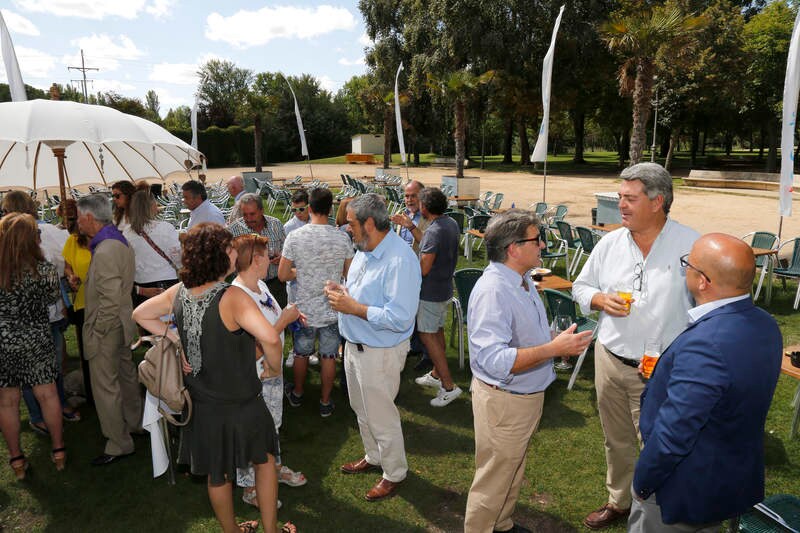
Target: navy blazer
x=703 y=413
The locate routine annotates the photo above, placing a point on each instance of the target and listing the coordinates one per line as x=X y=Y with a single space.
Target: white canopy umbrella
x=45 y=143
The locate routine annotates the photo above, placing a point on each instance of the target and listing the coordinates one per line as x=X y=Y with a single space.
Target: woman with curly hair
x=121 y=193
x=28 y=285
x=219 y=326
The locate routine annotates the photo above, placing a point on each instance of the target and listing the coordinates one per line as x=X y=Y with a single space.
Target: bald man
x=235 y=186
x=704 y=408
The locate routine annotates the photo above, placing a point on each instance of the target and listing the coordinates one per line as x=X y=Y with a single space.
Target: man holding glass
x=634 y=278
x=511 y=356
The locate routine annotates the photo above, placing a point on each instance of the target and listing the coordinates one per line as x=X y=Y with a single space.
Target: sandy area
x=730 y=211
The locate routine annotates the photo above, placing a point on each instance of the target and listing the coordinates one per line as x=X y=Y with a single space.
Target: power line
x=83 y=68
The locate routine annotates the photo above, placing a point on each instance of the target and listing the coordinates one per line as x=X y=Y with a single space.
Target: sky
x=138 y=45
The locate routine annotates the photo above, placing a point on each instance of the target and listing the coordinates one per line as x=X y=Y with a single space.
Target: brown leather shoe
x=604 y=516
x=382 y=489
x=359 y=467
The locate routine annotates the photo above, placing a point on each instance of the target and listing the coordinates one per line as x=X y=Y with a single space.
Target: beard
x=361 y=245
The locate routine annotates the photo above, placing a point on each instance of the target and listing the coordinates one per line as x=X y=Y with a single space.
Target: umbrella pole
x=59 y=155
x=780 y=228
x=308 y=160
x=544 y=183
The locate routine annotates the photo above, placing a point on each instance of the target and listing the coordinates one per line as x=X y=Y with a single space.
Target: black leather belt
x=501 y=389
x=633 y=363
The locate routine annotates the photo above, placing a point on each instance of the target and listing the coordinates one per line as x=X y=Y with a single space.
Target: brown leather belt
x=633 y=363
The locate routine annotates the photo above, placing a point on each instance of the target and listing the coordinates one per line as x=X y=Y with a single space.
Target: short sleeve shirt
x=318 y=252
x=441 y=238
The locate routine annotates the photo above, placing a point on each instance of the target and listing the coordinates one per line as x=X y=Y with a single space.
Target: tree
x=643 y=36
x=131 y=106
x=152 y=106
x=178 y=118
x=222 y=91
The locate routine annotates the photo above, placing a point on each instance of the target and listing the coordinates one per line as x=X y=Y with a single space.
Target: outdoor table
x=463 y=200
x=792 y=371
x=772 y=256
x=551 y=281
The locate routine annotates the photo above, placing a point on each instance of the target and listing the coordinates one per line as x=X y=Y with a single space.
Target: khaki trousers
x=504 y=423
x=116 y=392
x=619 y=391
x=373 y=379
x=645 y=517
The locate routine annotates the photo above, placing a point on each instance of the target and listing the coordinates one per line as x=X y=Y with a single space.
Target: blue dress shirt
x=501 y=317
x=387 y=280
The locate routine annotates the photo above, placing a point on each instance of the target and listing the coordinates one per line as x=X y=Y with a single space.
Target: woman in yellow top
x=76 y=265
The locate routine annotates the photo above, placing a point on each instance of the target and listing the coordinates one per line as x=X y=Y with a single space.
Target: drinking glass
x=562 y=323
x=624 y=290
x=652 y=351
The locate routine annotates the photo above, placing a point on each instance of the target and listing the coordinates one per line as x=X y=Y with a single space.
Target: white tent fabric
x=102 y=145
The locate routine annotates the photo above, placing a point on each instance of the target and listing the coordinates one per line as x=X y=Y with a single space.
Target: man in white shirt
x=643 y=257
x=196 y=199
x=300 y=210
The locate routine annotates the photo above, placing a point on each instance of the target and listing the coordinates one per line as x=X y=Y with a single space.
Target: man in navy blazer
x=704 y=408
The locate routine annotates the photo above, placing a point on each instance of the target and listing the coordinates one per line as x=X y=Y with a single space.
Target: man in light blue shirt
x=377 y=310
x=196 y=199
x=511 y=355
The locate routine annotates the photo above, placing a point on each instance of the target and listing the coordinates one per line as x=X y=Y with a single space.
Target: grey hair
x=506 y=228
x=370 y=206
x=251 y=198
x=98 y=205
x=656 y=180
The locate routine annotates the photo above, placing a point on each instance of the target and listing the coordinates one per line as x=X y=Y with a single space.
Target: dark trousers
x=76 y=318
x=278 y=290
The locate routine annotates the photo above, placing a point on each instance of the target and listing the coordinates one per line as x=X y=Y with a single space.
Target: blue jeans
x=57 y=330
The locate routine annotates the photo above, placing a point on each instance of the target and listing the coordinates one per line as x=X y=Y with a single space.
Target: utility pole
x=83 y=68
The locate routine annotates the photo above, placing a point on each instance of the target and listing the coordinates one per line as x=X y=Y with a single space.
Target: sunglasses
x=523 y=241
x=299 y=209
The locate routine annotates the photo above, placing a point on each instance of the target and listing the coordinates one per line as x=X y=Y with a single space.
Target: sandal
x=72 y=415
x=249 y=497
x=19 y=465
x=40 y=428
x=59 y=456
x=289 y=477
x=248 y=527
x=288 y=527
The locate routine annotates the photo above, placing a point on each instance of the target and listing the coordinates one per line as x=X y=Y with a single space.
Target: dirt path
x=706 y=210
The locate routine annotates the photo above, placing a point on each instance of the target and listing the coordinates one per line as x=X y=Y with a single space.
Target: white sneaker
x=427 y=380
x=443 y=397
x=313 y=359
x=290 y=360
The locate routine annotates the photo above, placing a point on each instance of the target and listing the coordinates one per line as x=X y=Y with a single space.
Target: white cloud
x=97 y=9
x=177 y=73
x=17 y=24
x=167 y=100
x=352 y=62
x=34 y=65
x=365 y=40
x=328 y=84
x=110 y=85
x=103 y=51
x=244 y=29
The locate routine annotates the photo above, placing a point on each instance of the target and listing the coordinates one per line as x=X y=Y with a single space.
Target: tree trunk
x=703 y=145
x=666 y=139
x=524 y=145
x=693 y=147
x=388 y=115
x=761 y=144
x=673 y=140
x=728 y=143
x=459 y=135
x=642 y=94
x=257 y=135
x=578 y=128
x=508 y=142
x=772 y=133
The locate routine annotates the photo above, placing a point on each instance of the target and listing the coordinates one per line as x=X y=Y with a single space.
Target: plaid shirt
x=273 y=230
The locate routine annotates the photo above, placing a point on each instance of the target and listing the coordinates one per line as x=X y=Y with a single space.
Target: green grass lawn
x=565 y=470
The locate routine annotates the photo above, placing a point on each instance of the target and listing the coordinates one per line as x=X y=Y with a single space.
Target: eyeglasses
x=116 y=195
x=523 y=241
x=299 y=209
x=638 y=277
x=686 y=264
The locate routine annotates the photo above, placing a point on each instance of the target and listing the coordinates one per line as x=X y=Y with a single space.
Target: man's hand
x=613 y=305
x=569 y=344
x=274 y=260
x=402 y=220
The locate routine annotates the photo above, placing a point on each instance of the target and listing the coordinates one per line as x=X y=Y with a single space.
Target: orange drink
x=652 y=351
x=627 y=295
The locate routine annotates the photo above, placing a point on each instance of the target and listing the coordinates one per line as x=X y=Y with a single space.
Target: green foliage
x=179 y=118
x=222 y=90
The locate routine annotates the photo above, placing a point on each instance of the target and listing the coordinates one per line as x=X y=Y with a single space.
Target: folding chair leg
x=577 y=368
x=760 y=282
x=461 y=346
x=797 y=296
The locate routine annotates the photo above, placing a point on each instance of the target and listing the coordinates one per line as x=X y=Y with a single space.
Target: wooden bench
x=448 y=162
x=361 y=158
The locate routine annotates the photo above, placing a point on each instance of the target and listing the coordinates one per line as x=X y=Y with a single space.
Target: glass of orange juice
x=652 y=351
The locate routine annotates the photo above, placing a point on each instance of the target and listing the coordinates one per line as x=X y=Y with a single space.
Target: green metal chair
x=588 y=240
x=539 y=208
x=761 y=239
x=779 y=512
x=549 y=253
x=566 y=234
x=465 y=280
x=561 y=303
x=793 y=270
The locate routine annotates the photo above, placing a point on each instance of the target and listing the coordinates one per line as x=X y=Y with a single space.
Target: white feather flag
x=301 y=131
x=397 y=117
x=540 y=150
x=15 y=83
x=790 y=89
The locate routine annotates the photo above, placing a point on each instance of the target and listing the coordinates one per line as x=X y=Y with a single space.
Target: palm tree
x=643 y=38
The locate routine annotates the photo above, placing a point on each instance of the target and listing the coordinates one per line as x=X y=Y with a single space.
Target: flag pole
x=544 y=183
x=308 y=160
